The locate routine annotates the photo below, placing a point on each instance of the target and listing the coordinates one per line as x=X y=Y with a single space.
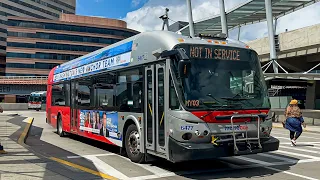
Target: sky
x=143 y=15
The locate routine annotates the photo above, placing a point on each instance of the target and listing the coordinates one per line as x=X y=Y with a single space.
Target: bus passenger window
x=58 y=95
x=104 y=91
x=129 y=91
x=84 y=86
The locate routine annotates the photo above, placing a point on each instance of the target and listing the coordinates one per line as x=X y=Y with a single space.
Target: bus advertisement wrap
x=104 y=64
x=100 y=122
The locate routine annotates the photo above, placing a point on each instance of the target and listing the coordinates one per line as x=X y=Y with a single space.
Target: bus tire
x=59 y=127
x=132 y=144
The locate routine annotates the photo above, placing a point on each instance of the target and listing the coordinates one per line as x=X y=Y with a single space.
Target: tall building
x=42 y=9
x=35 y=46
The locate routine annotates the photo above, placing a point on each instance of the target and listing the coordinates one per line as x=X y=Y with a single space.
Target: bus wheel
x=132 y=144
x=59 y=127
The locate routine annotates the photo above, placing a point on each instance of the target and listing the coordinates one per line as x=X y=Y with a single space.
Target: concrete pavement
x=24 y=163
x=80 y=158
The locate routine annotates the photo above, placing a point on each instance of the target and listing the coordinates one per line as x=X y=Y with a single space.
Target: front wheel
x=132 y=144
x=59 y=127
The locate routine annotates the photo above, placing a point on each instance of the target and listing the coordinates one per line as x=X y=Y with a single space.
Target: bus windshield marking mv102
x=167 y=95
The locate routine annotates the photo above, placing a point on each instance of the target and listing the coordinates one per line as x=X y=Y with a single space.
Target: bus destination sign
x=215 y=52
x=220 y=53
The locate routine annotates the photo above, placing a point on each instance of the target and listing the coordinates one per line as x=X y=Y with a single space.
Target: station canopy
x=250 y=12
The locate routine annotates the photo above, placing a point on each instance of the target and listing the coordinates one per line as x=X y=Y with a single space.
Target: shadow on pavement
x=42 y=152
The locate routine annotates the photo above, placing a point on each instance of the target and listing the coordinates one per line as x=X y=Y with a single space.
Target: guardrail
x=23 y=79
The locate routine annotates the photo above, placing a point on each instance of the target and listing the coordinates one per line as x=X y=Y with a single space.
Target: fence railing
x=23 y=79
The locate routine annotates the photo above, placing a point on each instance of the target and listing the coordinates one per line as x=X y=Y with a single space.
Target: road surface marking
x=317 y=143
x=279 y=158
x=297 y=154
x=89 y=155
x=290 y=173
x=106 y=176
x=253 y=160
x=264 y=164
x=299 y=149
x=106 y=168
x=308 y=137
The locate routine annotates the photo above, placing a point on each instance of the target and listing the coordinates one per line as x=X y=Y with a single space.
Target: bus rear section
x=224 y=102
x=37 y=100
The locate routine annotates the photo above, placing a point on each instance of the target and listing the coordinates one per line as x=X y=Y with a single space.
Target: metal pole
x=223 y=17
x=273 y=55
x=239 y=33
x=190 y=18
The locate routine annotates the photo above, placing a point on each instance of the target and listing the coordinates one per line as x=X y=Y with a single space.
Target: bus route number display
x=220 y=53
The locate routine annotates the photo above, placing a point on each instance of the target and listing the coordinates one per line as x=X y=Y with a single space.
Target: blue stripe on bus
x=123 y=48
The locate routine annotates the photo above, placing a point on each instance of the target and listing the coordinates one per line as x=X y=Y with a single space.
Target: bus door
x=73 y=107
x=155 y=108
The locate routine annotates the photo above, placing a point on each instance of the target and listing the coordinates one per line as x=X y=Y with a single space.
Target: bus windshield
x=225 y=77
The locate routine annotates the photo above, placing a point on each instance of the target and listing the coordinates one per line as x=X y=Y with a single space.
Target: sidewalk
x=19 y=162
x=309 y=128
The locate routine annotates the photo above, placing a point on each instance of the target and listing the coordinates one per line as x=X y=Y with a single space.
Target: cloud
x=147 y=17
x=135 y=3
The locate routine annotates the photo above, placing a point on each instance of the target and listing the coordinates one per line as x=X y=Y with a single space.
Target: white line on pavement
x=297 y=154
x=89 y=155
x=279 y=158
x=106 y=168
x=299 y=149
x=308 y=137
x=290 y=173
x=253 y=160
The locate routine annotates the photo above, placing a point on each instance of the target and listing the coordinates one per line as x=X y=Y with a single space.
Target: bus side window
x=104 y=88
x=174 y=102
x=129 y=91
x=58 y=95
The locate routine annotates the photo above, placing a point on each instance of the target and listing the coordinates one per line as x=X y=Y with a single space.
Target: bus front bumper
x=179 y=151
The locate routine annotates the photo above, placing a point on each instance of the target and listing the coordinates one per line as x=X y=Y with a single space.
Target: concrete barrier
x=14 y=106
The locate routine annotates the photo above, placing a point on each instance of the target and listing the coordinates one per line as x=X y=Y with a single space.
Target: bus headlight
x=187 y=136
x=197 y=132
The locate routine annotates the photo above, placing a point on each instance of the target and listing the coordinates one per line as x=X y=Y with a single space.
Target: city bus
x=162 y=94
x=37 y=100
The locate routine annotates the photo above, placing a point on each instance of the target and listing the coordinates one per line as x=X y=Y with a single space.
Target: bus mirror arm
x=184 y=61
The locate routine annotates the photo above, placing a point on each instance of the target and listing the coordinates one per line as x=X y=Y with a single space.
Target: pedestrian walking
x=294 y=121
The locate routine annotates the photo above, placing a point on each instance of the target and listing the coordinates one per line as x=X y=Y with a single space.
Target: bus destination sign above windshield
x=215 y=52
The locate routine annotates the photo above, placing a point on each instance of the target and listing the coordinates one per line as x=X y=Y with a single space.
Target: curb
x=23 y=137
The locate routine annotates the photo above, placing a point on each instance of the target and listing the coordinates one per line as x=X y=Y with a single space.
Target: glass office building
x=35 y=46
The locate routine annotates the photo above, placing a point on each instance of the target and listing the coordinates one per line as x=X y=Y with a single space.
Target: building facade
x=35 y=46
x=42 y=9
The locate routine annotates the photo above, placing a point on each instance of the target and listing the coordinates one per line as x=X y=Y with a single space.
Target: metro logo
x=236 y=128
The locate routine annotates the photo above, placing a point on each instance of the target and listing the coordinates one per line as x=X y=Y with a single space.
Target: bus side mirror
x=184 y=68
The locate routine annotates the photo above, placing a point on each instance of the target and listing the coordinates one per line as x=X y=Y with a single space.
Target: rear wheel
x=59 y=127
x=132 y=144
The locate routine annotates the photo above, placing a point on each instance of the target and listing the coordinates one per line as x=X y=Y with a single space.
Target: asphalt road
x=89 y=158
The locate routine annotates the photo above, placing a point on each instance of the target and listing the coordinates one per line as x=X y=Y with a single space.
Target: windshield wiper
x=242 y=99
x=237 y=97
x=219 y=107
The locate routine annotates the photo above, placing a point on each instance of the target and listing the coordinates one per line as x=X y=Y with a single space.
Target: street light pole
x=191 y=28
x=223 y=18
x=273 y=54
